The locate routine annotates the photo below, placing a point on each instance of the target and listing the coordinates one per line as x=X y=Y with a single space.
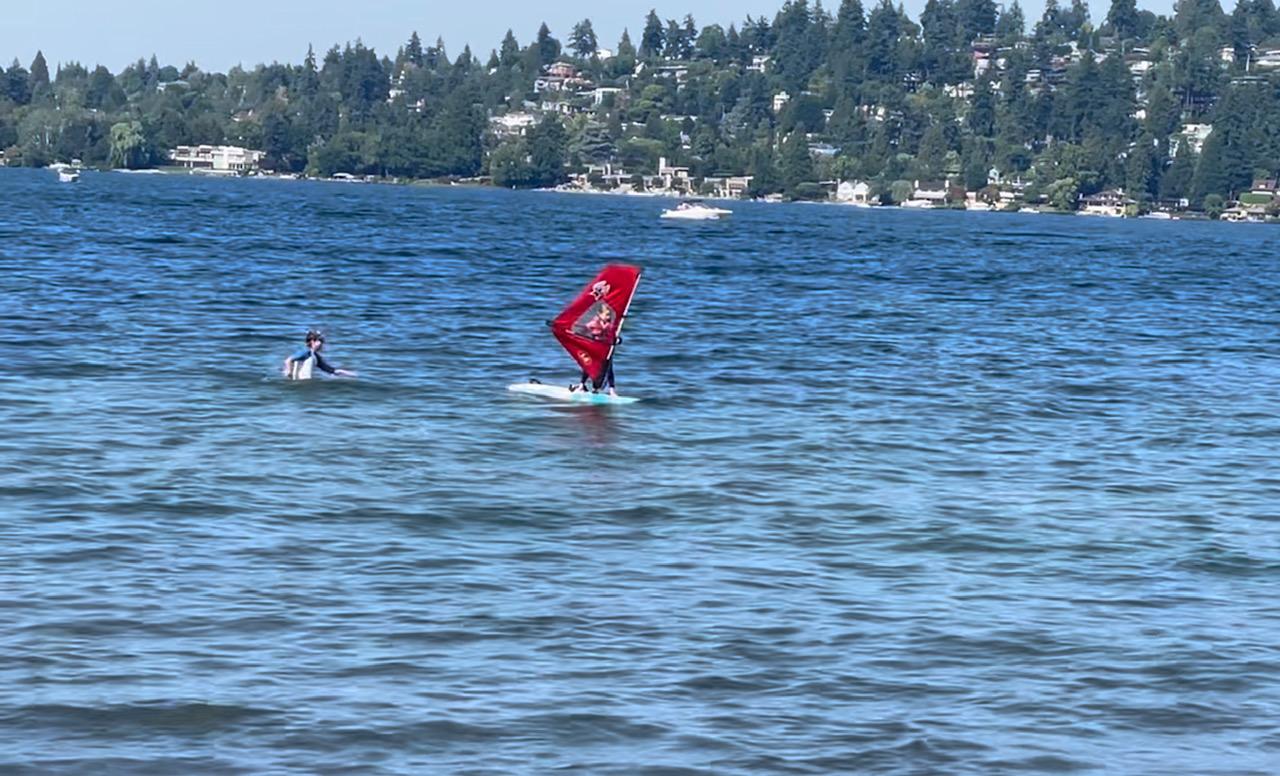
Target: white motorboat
x=68 y=175
x=696 y=210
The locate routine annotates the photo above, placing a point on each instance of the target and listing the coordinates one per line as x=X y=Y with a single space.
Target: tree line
x=1069 y=104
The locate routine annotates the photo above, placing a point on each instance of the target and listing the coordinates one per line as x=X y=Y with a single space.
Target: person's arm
x=324 y=365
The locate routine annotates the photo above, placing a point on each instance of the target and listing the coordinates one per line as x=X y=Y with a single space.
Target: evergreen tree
x=976 y=17
x=712 y=44
x=413 y=51
x=625 y=47
x=583 y=40
x=795 y=164
x=1011 y=24
x=509 y=53
x=309 y=78
x=654 y=38
x=848 y=46
x=1175 y=184
x=547 y=46
x=1192 y=16
x=799 y=47
x=674 y=43
x=1123 y=18
x=688 y=37
x=982 y=110
x=547 y=146
x=39 y=75
x=1142 y=169
x=458 y=133
x=763 y=171
x=883 y=32
x=18 y=84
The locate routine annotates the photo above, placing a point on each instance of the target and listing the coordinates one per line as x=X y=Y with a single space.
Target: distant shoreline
x=617 y=193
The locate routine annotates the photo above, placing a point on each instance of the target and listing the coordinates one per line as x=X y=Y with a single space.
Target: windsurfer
x=589 y=327
x=599 y=327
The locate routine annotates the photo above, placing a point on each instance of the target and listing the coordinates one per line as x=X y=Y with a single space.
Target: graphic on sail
x=589 y=327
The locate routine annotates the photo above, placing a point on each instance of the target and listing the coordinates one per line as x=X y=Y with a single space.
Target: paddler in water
x=298 y=366
x=600 y=327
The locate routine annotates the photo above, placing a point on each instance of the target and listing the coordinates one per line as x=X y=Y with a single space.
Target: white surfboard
x=301 y=369
x=563 y=394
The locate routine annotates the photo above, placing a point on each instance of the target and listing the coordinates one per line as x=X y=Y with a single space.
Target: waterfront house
x=928 y=194
x=734 y=187
x=1111 y=202
x=854 y=193
x=1265 y=187
x=1242 y=214
x=220 y=159
x=672 y=178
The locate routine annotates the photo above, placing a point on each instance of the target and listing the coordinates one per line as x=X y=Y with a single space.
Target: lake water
x=906 y=493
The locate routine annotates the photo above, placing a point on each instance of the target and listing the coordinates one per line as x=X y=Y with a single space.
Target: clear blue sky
x=222 y=34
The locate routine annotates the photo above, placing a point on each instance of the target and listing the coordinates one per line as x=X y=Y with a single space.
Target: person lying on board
x=298 y=366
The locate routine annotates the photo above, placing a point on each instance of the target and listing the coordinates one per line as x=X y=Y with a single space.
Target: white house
x=1111 y=202
x=513 y=124
x=601 y=93
x=928 y=194
x=1267 y=59
x=854 y=193
x=672 y=177
x=228 y=159
x=1195 y=135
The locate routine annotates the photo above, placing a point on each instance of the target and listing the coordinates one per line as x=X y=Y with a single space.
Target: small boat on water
x=695 y=210
x=68 y=175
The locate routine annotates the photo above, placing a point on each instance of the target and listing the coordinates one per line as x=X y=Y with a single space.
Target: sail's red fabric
x=588 y=327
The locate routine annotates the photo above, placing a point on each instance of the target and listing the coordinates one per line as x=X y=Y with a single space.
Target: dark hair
x=315 y=335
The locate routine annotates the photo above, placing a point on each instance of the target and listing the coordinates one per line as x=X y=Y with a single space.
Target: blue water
x=907 y=492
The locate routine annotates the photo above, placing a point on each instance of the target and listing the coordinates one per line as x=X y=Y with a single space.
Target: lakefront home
x=854 y=193
x=928 y=194
x=228 y=160
x=1111 y=202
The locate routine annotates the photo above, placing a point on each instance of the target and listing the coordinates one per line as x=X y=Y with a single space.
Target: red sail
x=588 y=328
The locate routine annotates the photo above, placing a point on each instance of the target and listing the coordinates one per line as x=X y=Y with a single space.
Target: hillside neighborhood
x=967 y=107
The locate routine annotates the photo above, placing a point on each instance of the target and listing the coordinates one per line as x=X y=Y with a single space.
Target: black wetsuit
x=606 y=381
